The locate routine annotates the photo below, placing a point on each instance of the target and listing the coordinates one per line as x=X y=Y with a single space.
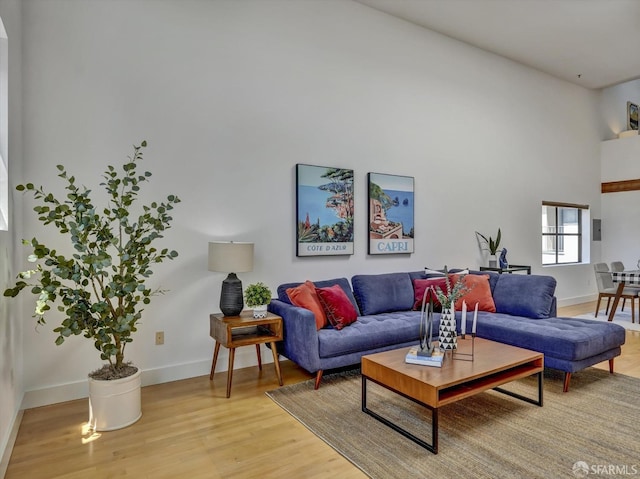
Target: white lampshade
x=230 y=257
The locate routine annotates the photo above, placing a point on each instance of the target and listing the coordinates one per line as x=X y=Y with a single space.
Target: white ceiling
x=593 y=43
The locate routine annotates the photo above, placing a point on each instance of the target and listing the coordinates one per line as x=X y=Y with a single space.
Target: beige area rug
x=591 y=431
x=623 y=318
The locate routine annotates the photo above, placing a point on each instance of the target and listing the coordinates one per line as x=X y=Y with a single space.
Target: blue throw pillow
x=382 y=293
x=530 y=296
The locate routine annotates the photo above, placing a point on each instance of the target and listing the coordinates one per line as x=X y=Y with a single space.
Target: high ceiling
x=593 y=43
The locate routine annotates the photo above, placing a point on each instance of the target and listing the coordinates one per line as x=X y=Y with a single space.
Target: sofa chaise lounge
x=525 y=310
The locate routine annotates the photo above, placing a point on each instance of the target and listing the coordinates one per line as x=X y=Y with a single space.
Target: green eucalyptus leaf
x=100 y=288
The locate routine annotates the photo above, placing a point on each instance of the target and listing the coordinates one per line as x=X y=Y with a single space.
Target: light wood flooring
x=190 y=429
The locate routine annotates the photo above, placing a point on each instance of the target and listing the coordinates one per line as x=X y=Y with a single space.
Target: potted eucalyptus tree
x=100 y=288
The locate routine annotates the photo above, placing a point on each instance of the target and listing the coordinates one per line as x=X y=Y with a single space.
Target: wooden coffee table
x=494 y=364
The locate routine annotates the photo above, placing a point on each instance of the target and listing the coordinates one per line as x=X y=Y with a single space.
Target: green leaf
x=98 y=290
x=11 y=292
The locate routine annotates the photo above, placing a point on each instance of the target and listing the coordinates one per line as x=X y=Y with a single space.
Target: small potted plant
x=258 y=296
x=491 y=245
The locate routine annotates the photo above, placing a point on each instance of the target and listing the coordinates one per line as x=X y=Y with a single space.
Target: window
x=562 y=232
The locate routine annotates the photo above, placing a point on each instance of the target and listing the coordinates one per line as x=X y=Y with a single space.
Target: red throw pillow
x=305 y=296
x=479 y=291
x=419 y=286
x=337 y=306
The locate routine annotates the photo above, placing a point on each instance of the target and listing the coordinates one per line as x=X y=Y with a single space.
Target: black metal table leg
x=537 y=402
x=433 y=447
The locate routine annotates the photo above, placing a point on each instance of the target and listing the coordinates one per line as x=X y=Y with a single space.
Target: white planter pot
x=114 y=404
x=260 y=311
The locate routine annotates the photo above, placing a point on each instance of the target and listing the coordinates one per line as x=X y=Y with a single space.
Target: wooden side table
x=244 y=330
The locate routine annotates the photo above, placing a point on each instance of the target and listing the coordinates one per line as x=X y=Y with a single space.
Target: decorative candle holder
x=466 y=356
x=463 y=336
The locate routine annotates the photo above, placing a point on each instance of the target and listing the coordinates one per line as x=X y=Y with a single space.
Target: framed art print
x=324 y=211
x=632 y=116
x=391 y=212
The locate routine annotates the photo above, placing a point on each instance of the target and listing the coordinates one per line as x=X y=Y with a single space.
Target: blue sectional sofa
x=524 y=317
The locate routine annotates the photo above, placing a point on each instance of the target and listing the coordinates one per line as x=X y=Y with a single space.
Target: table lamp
x=230 y=257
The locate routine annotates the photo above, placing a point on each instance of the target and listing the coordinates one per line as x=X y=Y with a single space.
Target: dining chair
x=617 y=266
x=607 y=289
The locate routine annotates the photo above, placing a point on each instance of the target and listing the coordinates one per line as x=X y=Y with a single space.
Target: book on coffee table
x=435 y=360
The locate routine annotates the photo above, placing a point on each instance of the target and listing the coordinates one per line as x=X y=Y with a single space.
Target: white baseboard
x=244 y=357
x=55 y=394
x=7 y=448
x=175 y=372
x=577 y=300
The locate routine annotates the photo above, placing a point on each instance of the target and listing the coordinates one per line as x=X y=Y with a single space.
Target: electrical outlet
x=159 y=338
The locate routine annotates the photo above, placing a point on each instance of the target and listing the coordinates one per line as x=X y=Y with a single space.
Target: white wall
x=231 y=95
x=614 y=106
x=620 y=212
x=11 y=325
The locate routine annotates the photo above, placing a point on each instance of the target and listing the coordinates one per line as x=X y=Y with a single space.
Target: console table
x=510 y=269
